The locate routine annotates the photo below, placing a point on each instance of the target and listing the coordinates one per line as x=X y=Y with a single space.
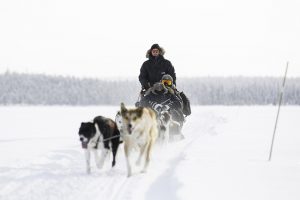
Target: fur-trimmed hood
x=161 y=52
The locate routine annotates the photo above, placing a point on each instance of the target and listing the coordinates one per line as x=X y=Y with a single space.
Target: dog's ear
x=123 y=109
x=139 y=111
x=82 y=125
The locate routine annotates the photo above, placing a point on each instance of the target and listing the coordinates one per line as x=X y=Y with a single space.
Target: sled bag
x=186 y=104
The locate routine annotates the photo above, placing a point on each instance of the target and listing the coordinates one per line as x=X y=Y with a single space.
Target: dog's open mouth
x=130 y=130
x=84 y=145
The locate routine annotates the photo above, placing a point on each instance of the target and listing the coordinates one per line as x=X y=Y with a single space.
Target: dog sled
x=171 y=109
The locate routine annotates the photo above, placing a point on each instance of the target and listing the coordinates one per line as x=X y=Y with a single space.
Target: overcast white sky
x=93 y=38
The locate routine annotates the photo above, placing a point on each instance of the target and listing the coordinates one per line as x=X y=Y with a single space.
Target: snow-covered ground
x=224 y=156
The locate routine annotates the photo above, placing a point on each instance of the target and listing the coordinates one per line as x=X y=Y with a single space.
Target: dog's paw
x=100 y=164
x=138 y=162
x=129 y=172
x=88 y=170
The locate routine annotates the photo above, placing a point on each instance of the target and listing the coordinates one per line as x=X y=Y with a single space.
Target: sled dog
x=166 y=123
x=139 y=130
x=164 y=127
x=100 y=134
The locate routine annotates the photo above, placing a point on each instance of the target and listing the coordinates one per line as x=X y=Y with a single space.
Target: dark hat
x=155 y=46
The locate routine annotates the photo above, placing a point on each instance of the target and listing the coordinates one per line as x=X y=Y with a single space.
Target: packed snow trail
x=223 y=156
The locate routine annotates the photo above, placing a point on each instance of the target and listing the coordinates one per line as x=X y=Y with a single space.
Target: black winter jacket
x=168 y=99
x=154 y=101
x=153 y=69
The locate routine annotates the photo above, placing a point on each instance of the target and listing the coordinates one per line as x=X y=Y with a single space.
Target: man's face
x=155 y=52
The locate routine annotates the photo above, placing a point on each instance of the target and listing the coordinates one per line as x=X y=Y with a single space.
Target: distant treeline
x=36 y=89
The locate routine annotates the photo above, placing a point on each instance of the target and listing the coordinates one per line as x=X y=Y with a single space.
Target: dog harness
x=84 y=145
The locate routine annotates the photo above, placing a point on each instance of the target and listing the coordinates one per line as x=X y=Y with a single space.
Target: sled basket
x=186 y=104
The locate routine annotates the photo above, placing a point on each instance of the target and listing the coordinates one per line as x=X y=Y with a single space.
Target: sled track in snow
x=60 y=173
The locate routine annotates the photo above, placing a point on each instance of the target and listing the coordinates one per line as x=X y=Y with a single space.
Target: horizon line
x=133 y=77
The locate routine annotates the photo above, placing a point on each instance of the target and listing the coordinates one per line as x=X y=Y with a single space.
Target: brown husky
x=139 y=127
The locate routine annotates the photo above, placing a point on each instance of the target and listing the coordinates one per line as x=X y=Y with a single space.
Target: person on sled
x=152 y=72
x=154 y=68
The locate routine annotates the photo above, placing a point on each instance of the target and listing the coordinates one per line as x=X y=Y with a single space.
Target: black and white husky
x=100 y=134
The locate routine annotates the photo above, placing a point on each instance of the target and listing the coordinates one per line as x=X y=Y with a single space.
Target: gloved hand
x=143 y=91
x=158 y=107
x=165 y=107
